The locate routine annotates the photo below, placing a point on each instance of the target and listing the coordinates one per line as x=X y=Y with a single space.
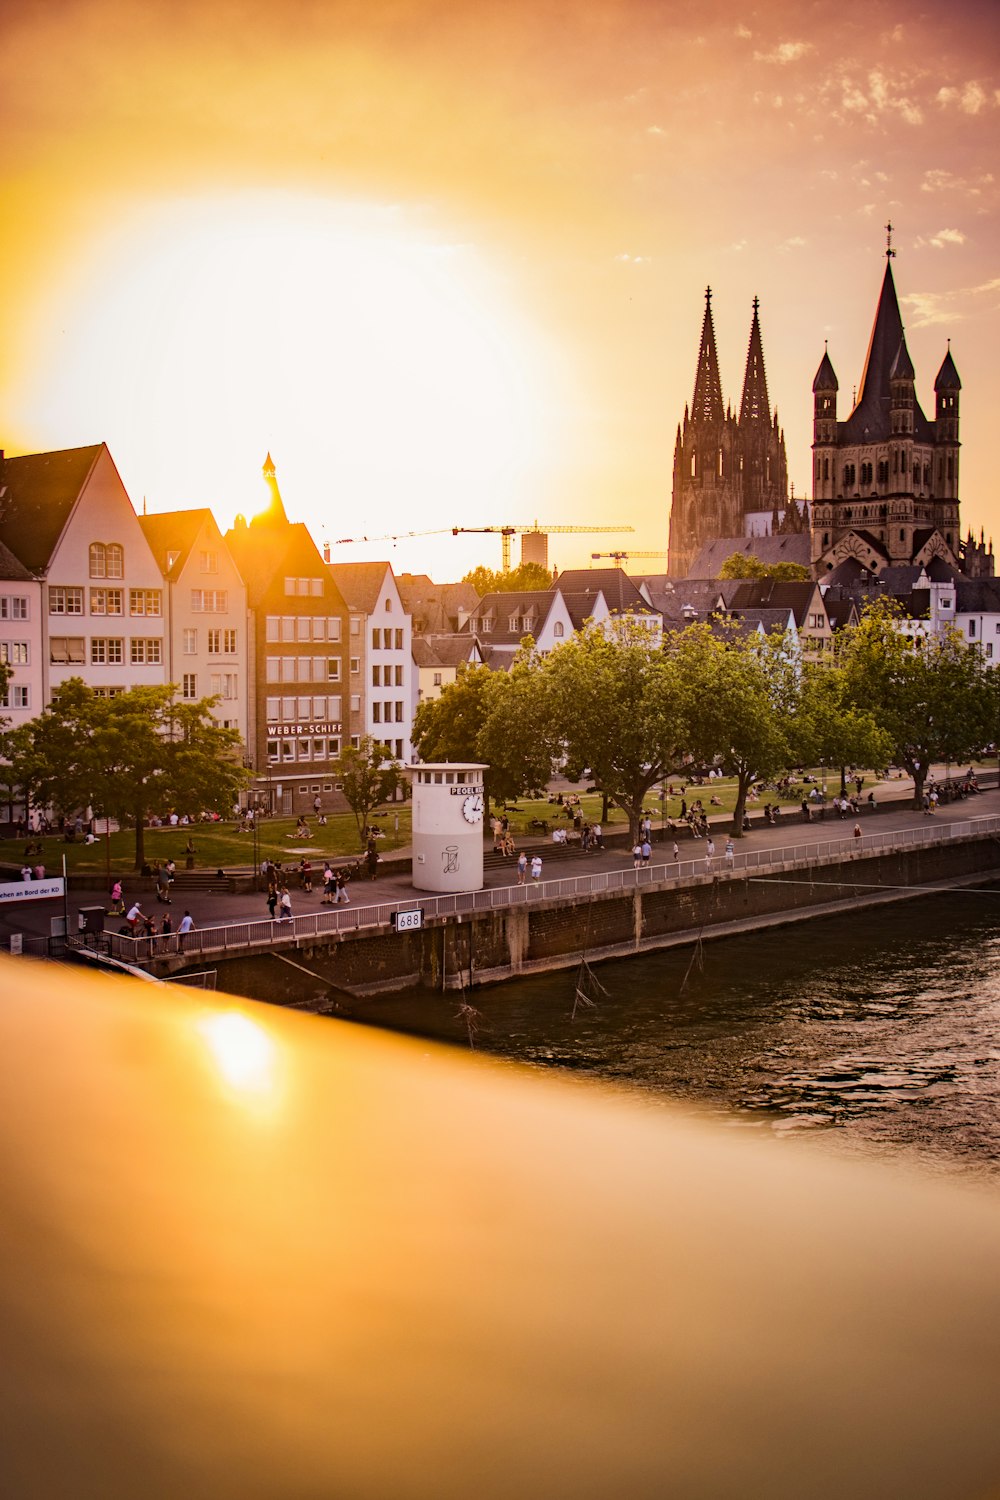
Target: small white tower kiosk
x=448 y=809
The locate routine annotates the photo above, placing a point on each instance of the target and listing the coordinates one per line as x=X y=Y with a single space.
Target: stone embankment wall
x=489 y=947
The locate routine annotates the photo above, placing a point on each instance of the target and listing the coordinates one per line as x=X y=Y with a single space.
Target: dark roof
x=173 y=531
x=772 y=593
x=870 y=421
x=947 y=377
x=501 y=607
x=840 y=612
x=434 y=607
x=785 y=546
x=768 y=619
x=977 y=596
x=360 y=583
x=443 y=650
x=902 y=365
x=826 y=378
x=619 y=590
x=12 y=571
x=261 y=557
x=37 y=494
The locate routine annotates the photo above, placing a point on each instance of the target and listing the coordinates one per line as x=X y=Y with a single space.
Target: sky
x=446 y=261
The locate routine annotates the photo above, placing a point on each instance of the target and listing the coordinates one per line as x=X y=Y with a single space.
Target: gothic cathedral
x=730 y=473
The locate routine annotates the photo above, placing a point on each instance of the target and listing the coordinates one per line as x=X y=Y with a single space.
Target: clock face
x=472 y=808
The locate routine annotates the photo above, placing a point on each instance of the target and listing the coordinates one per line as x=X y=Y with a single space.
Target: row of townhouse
x=256 y=618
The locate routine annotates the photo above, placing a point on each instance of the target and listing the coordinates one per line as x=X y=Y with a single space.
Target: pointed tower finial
x=755 y=406
x=707 y=403
x=889 y=251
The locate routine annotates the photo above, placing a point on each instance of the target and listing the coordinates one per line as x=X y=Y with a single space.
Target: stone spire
x=755 y=406
x=707 y=404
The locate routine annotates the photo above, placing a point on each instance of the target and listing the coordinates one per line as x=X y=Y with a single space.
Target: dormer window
x=107 y=560
x=946 y=604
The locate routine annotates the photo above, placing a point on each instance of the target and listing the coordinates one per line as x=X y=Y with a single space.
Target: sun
x=389 y=370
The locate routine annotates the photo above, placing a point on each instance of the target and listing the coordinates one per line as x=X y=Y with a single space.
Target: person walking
x=272 y=900
x=185 y=926
x=522 y=867
x=636 y=856
x=342 y=895
x=709 y=852
x=857 y=833
x=730 y=854
x=677 y=851
x=117 y=900
x=645 y=849
x=329 y=886
x=536 y=868
x=284 y=905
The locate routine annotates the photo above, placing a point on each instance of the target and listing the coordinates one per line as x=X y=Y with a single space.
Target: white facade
x=448 y=808
x=207 y=622
x=104 y=615
x=21 y=647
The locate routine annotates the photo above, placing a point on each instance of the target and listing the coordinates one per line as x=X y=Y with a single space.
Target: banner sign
x=30 y=890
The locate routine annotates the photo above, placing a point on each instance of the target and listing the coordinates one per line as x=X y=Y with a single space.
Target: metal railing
x=235 y=937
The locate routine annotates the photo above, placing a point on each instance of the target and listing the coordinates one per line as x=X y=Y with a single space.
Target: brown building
x=297 y=630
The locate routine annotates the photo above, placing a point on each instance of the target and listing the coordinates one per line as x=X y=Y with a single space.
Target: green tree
x=126 y=757
x=831 y=730
x=367 y=774
x=934 y=697
x=746 y=687
x=527 y=575
x=619 y=707
x=492 y=718
x=746 y=565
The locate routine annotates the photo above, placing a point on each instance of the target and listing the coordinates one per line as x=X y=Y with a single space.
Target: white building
x=380 y=656
x=206 y=612
x=20 y=639
x=68 y=520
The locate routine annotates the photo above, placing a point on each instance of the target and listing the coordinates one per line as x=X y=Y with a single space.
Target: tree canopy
x=367 y=774
x=934 y=698
x=125 y=757
x=746 y=565
x=528 y=575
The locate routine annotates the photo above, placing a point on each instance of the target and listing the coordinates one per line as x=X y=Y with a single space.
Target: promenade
x=895 y=818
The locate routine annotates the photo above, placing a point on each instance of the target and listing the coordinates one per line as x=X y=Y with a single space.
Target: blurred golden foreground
x=247 y=1253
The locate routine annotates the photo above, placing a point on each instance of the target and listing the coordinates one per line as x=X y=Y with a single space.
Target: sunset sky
x=447 y=261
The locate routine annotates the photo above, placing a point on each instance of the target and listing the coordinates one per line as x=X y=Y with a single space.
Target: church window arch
x=694 y=466
x=826 y=468
x=951 y=467
x=719 y=464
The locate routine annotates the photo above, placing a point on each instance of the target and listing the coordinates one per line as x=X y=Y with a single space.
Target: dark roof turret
x=947 y=377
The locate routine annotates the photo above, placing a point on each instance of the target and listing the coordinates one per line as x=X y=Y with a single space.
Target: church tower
x=885 y=480
x=730 y=472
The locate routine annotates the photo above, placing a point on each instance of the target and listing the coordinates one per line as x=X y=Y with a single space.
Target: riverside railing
x=234 y=937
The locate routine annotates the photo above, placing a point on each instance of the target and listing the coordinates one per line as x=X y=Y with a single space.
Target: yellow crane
x=621 y=558
x=506 y=532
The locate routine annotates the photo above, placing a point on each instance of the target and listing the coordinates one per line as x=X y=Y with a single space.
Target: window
x=989 y=650
x=333 y=628
x=63 y=601
x=333 y=669
x=107 y=601
x=13 y=607
x=65 y=648
x=437 y=679
x=318 y=709
x=145 y=651
x=376 y=640
x=355 y=665
x=107 y=560
x=144 y=602
x=272 y=751
x=399 y=677
x=388 y=606
x=272 y=631
x=190 y=643
x=399 y=713
x=356 y=625
x=189 y=685
x=333 y=748
x=209 y=562
x=105 y=651
x=335 y=706
x=18 y=695
x=972 y=629
x=486 y=625
x=558 y=630
x=946 y=603
x=214 y=642
x=376 y=676
x=210 y=601
x=355 y=741
x=355 y=703
x=229 y=642
x=14 y=653
x=376 y=713
x=223 y=685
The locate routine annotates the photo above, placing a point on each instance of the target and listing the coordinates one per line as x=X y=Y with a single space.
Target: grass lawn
x=223 y=846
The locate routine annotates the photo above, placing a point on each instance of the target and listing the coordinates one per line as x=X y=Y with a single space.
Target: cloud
x=736 y=247
x=784 y=53
x=743 y=32
x=928 y=308
x=795 y=242
x=971 y=98
x=633 y=260
x=939 y=180
x=947 y=237
x=655 y=130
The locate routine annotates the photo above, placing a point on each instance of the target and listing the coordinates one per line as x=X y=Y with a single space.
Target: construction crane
x=621 y=558
x=506 y=532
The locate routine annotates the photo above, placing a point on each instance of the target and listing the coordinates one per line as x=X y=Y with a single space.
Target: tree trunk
x=742 y=787
x=919 y=777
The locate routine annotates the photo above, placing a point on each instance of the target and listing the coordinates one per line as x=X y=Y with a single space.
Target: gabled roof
x=977 y=596
x=360 y=583
x=434 y=607
x=534 y=605
x=37 y=494
x=173 y=531
x=619 y=590
x=261 y=556
x=769 y=620
x=12 y=571
x=774 y=593
x=443 y=650
x=681 y=600
x=786 y=546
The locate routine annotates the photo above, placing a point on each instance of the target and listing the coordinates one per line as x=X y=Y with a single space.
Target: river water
x=877 y=1033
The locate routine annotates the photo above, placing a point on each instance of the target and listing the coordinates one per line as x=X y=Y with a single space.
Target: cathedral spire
x=707 y=403
x=755 y=406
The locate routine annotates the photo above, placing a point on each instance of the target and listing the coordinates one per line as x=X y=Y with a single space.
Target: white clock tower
x=448 y=810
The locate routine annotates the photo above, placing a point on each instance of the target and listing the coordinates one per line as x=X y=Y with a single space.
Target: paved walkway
x=211 y=909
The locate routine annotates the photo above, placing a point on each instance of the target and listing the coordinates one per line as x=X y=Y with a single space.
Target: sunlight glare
x=241 y=1050
x=383 y=367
